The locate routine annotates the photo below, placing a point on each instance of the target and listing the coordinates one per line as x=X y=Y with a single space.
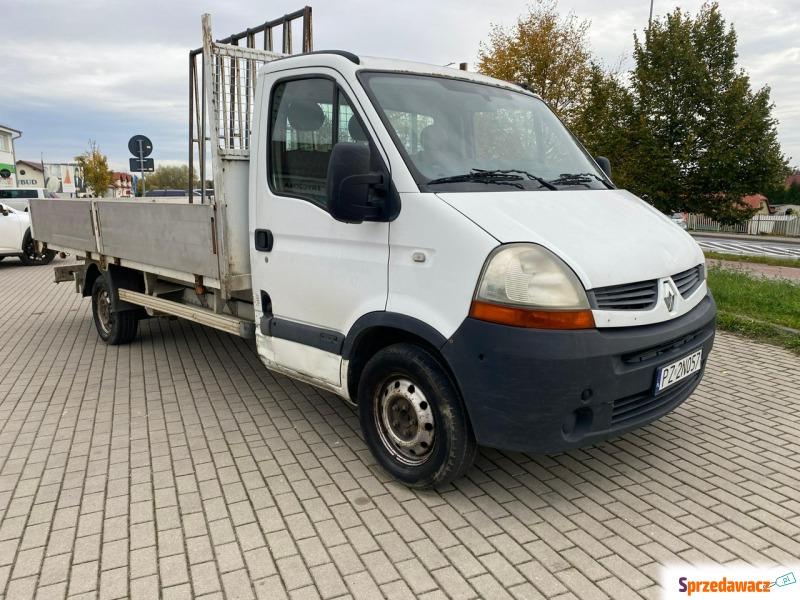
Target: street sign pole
x=141 y=147
x=141 y=166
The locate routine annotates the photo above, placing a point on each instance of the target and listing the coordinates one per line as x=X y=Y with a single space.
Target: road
x=178 y=467
x=754 y=247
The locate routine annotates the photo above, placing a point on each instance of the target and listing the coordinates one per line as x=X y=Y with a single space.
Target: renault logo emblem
x=669 y=296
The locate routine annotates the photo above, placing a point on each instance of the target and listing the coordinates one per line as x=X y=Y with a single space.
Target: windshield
x=460 y=135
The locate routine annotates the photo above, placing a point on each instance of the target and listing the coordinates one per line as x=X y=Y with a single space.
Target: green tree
x=782 y=193
x=96 y=173
x=544 y=51
x=608 y=124
x=707 y=139
x=170 y=177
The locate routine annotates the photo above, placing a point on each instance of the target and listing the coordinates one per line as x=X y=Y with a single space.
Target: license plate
x=673 y=373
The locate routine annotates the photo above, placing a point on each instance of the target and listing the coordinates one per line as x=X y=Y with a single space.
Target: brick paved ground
x=179 y=466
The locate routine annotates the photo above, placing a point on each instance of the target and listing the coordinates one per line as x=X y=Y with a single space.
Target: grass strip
x=758 y=331
x=766 y=310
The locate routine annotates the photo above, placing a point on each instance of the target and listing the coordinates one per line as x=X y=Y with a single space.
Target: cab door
x=313 y=276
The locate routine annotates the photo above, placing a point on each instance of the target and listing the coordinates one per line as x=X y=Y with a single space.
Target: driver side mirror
x=4 y=210
x=359 y=187
x=604 y=164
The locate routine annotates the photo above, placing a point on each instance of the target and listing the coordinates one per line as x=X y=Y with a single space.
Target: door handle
x=263 y=240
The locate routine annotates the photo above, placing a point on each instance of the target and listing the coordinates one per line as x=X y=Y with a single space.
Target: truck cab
x=421 y=232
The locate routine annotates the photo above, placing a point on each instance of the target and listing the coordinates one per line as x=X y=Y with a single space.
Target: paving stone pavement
x=179 y=467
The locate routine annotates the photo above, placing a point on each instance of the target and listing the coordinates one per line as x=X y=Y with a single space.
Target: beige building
x=121 y=187
x=29 y=174
x=760 y=203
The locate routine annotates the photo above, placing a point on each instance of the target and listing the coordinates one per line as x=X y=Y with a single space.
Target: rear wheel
x=413 y=419
x=114 y=327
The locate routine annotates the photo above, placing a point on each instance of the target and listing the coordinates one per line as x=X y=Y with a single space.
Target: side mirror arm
x=375 y=205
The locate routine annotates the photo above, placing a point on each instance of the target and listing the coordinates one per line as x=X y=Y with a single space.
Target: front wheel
x=31 y=257
x=113 y=327
x=413 y=419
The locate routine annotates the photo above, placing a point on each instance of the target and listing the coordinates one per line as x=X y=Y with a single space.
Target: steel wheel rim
x=404 y=420
x=104 y=311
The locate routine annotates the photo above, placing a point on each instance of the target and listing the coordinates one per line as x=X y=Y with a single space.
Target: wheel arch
x=91 y=274
x=117 y=277
x=25 y=237
x=375 y=331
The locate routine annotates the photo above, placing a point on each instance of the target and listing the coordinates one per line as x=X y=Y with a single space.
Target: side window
x=18 y=193
x=309 y=116
x=349 y=128
x=301 y=137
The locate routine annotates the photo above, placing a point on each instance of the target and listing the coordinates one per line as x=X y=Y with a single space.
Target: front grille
x=643 y=295
x=628 y=296
x=643 y=406
x=663 y=348
x=688 y=281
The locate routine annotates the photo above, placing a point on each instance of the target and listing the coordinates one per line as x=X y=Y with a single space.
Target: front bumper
x=540 y=391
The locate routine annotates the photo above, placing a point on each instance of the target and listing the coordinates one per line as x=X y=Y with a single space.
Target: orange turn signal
x=535 y=319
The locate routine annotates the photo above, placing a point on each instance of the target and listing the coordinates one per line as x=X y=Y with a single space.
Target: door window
x=303 y=134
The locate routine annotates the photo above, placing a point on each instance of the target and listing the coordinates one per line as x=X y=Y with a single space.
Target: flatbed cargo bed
x=173 y=239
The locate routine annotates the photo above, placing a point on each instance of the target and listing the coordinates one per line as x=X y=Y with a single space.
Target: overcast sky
x=106 y=69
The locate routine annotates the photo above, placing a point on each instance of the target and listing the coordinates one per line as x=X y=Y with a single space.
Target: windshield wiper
x=498 y=176
x=530 y=176
x=480 y=178
x=579 y=179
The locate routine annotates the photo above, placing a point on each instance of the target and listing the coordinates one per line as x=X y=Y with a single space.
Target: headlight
x=526 y=285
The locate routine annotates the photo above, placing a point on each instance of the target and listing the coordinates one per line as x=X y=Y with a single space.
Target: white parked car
x=16 y=240
x=679 y=220
x=17 y=198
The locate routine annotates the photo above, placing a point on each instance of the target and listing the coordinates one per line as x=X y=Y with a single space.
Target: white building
x=8 y=160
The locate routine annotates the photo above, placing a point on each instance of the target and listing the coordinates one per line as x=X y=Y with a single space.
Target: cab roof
x=347 y=61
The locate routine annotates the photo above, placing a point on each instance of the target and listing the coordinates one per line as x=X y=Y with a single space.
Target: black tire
x=31 y=257
x=113 y=327
x=413 y=419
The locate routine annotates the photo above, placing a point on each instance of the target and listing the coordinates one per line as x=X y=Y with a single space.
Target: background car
x=176 y=193
x=679 y=220
x=16 y=240
x=167 y=193
x=17 y=198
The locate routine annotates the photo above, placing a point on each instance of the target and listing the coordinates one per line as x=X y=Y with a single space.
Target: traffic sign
x=143 y=165
x=145 y=148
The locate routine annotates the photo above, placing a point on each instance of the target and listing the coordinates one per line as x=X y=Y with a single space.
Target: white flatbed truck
x=430 y=244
